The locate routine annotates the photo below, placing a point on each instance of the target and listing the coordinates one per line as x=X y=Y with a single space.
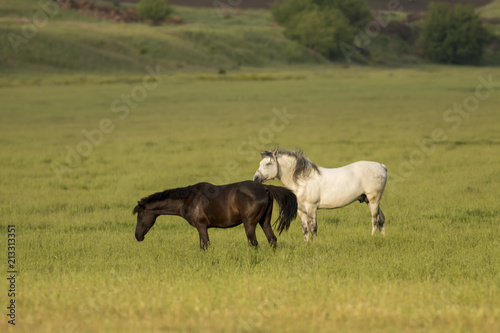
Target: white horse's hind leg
x=374 y=210
x=381 y=222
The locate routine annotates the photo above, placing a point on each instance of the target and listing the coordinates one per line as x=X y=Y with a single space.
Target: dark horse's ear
x=139 y=208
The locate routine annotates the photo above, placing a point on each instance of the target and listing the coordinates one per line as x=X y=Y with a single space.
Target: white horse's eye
x=269 y=163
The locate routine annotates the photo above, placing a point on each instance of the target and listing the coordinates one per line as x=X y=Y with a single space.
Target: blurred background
x=227 y=35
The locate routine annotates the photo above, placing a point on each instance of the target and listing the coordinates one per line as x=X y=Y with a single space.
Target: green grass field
x=79 y=267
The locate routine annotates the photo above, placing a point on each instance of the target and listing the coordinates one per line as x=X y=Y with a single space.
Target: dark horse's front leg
x=204 y=241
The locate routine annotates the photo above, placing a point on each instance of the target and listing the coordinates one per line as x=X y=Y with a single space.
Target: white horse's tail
x=384 y=190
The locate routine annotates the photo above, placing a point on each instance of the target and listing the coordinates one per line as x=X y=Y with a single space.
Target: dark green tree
x=321 y=25
x=356 y=11
x=453 y=35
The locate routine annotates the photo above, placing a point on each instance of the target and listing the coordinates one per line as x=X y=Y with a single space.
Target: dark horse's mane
x=174 y=194
x=303 y=166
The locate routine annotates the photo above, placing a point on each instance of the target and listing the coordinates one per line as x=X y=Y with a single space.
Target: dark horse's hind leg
x=265 y=223
x=204 y=241
x=250 y=231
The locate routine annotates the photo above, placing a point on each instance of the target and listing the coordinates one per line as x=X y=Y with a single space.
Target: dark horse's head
x=168 y=202
x=145 y=220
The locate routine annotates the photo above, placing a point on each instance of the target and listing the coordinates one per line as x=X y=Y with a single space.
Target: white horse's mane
x=303 y=166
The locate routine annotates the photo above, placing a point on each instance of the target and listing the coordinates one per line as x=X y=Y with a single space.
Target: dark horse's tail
x=288 y=206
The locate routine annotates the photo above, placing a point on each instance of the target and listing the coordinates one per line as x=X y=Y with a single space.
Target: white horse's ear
x=275 y=154
x=262 y=154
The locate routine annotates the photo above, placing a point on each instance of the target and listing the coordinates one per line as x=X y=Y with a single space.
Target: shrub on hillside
x=357 y=12
x=154 y=10
x=321 y=25
x=321 y=31
x=286 y=10
x=453 y=35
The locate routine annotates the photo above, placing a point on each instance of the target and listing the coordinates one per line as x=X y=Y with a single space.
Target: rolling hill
x=72 y=41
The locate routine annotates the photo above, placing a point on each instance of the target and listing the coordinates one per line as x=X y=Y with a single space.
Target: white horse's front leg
x=305 y=228
x=313 y=224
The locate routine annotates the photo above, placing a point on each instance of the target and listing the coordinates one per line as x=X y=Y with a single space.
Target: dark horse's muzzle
x=139 y=238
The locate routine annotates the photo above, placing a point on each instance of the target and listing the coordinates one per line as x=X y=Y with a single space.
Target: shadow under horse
x=205 y=205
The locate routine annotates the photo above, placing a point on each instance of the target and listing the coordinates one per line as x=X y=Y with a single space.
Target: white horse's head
x=269 y=166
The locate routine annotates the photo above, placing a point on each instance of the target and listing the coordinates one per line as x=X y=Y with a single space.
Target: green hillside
x=70 y=41
x=491 y=10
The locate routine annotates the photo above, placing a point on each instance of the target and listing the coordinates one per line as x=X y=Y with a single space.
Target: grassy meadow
x=80 y=268
x=70 y=191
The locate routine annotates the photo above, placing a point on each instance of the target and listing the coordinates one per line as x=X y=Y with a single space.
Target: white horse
x=318 y=187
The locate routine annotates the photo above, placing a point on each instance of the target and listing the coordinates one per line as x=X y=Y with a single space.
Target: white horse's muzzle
x=259 y=177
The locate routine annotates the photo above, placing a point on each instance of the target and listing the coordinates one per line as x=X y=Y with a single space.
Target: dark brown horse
x=208 y=206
